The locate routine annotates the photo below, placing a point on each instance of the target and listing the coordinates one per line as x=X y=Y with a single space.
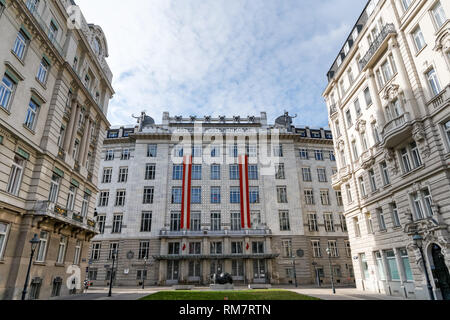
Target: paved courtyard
x=125 y=293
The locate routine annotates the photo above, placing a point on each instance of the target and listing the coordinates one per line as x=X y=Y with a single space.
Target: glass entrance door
x=259 y=270
x=172 y=270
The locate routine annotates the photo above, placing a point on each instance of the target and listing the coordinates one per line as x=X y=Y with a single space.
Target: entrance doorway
x=440 y=272
x=172 y=271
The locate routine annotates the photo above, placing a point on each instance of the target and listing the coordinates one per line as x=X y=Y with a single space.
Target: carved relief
x=391 y=92
x=341 y=145
x=389 y=156
x=361 y=126
x=420 y=137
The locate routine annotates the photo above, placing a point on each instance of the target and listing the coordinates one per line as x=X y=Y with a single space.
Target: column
x=386 y=273
x=73 y=116
x=87 y=133
x=83 y=142
x=379 y=113
x=401 y=271
x=73 y=133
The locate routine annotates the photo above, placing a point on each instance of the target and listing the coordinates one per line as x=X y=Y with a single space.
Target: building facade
x=54 y=94
x=195 y=210
x=389 y=109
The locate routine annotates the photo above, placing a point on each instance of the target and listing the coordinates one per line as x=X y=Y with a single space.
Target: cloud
x=205 y=57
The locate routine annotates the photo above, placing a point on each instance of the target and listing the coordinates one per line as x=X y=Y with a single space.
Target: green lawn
x=231 y=295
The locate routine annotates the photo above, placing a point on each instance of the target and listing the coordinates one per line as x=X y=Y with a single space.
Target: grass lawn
x=231 y=295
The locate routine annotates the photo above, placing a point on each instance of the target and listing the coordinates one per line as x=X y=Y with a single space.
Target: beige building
x=389 y=104
x=222 y=211
x=54 y=93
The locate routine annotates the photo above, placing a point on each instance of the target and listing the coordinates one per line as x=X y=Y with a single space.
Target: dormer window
x=97 y=46
x=87 y=81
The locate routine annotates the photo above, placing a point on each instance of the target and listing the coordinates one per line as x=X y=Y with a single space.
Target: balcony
x=367 y=159
x=379 y=43
x=218 y=233
x=61 y=154
x=396 y=130
x=441 y=100
x=333 y=109
x=216 y=256
x=343 y=175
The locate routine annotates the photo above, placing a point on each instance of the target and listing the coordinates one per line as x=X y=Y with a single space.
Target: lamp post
x=295 y=271
x=145 y=270
x=331 y=270
x=418 y=241
x=112 y=272
x=34 y=242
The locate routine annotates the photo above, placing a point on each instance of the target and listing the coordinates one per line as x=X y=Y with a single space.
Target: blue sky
x=214 y=57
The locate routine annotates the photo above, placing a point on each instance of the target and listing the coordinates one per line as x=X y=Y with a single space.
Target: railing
x=61 y=154
x=333 y=109
x=77 y=217
x=440 y=99
x=376 y=44
x=251 y=232
x=395 y=124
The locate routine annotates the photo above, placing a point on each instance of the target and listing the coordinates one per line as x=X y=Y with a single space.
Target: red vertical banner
x=189 y=191
x=247 y=193
x=241 y=184
x=183 y=194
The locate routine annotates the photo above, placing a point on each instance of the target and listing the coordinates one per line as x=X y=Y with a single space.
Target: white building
x=223 y=212
x=388 y=96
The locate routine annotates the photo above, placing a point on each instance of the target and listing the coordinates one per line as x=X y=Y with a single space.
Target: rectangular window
x=282 y=195
x=312 y=222
x=77 y=254
x=31 y=115
x=113 y=251
x=196 y=172
x=177 y=172
x=149 y=193
x=362 y=187
x=306 y=173
x=254 y=194
x=406 y=265
x=215 y=195
x=152 y=150
x=215 y=248
x=286 y=246
x=368 y=96
x=109 y=155
x=54 y=189
x=385 y=173
x=339 y=200
x=125 y=154
x=235 y=195
x=343 y=222
x=175 y=221
x=71 y=198
x=43 y=71
x=42 y=249
x=216 y=224
x=15 y=177
x=146 y=221
x=144 y=250
x=418 y=39
x=322 y=175
x=278 y=151
x=196 y=220
x=197 y=151
x=253 y=172
x=236 y=221
x=258 y=247
x=325 y=197
x=3 y=236
x=318 y=154
x=364 y=266
x=150 y=171
x=234 y=172
x=329 y=222
x=395 y=216
x=196 y=195
x=373 y=182
x=117 y=223
x=237 y=248
x=357 y=107
x=215 y=172
x=348 y=249
x=392 y=264
x=380 y=267
x=317 y=253
x=334 y=251
x=284 y=221
x=61 y=250
x=20 y=44
x=304 y=154
x=85 y=205
x=309 y=197
x=177 y=193
x=215 y=151
x=255 y=217
x=95 y=252
x=174 y=248
x=349 y=193
x=428 y=202
x=120 y=198
x=439 y=14
x=107 y=175
x=415 y=155
x=405 y=160
x=348 y=116
x=123 y=175
x=433 y=82
x=101 y=220
x=280 y=172
x=195 y=248
x=381 y=220
x=6 y=91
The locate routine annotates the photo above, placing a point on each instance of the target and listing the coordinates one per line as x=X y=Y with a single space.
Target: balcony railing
x=45 y=28
x=184 y=233
x=395 y=123
x=441 y=99
x=333 y=109
x=376 y=44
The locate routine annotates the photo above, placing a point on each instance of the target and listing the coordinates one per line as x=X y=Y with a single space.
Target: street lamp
x=295 y=271
x=331 y=270
x=112 y=272
x=418 y=241
x=34 y=242
x=145 y=270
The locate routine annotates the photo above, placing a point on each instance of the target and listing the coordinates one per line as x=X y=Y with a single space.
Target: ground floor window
x=237 y=268
x=141 y=275
x=392 y=264
x=172 y=270
x=35 y=288
x=259 y=269
x=194 y=269
x=216 y=267
x=92 y=274
x=56 y=288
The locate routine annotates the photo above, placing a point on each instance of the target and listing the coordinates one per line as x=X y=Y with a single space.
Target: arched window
x=97 y=46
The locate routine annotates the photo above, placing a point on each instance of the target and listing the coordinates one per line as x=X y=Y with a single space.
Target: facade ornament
x=418 y=132
x=251 y=119
x=208 y=119
x=389 y=156
x=237 y=119
x=391 y=92
x=193 y=118
x=178 y=118
x=361 y=126
x=341 y=145
x=222 y=119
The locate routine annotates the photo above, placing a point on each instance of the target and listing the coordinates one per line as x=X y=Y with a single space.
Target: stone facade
x=184 y=254
x=389 y=104
x=54 y=94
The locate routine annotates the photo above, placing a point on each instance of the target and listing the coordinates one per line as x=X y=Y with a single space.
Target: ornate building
x=54 y=94
x=389 y=109
x=178 y=213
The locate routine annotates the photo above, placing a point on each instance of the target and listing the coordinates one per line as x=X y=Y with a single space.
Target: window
x=123 y=175
x=76 y=149
x=372 y=179
x=85 y=205
x=280 y=172
x=120 y=198
x=415 y=155
x=109 y=155
x=395 y=216
x=362 y=187
x=322 y=174
x=61 y=250
x=329 y=223
x=386 y=71
x=146 y=221
x=348 y=116
x=177 y=193
x=385 y=173
x=355 y=151
x=107 y=174
x=348 y=250
x=254 y=194
x=364 y=266
x=235 y=195
x=233 y=151
x=282 y=195
x=406 y=4
x=216 y=224
x=175 y=221
x=215 y=248
x=356 y=227
x=367 y=96
x=53 y=31
x=334 y=251
x=237 y=248
x=31 y=115
x=174 y=248
x=54 y=189
x=234 y=172
x=197 y=151
x=178 y=151
x=317 y=253
x=196 y=172
x=215 y=151
x=304 y=154
x=152 y=150
x=95 y=252
x=418 y=39
x=20 y=44
x=312 y=222
x=255 y=217
x=6 y=90
x=236 y=221
x=369 y=222
x=286 y=246
x=195 y=248
x=43 y=71
x=77 y=254
x=149 y=193
x=337 y=128
x=252 y=150
x=278 y=151
x=428 y=202
x=62 y=132
x=380 y=267
x=215 y=172
x=215 y=195
x=325 y=197
x=381 y=220
x=3 y=236
x=113 y=251
x=71 y=198
x=447 y=131
x=15 y=177
x=144 y=250
x=332 y=156
x=258 y=247
x=117 y=223
x=406 y=265
x=375 y=133
x=438 y=15
x=309 y=197
x=349 y=193
x=125 y=154
x=177 y=172
x=42 y=249
x=306 y=173
x=318 y=154
x=357 y=108
x=284 y=221
x=339 y=198
x=196 y=195
x=405 y=160
x=433 y=82
x=392 y=264
x=253 y=172
x=418 y=206
x=111 y=134
x=150 y=172
x=101 y=220
x=343 y=222
x=196 y=220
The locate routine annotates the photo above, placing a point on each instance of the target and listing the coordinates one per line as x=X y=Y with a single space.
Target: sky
x=222 y=57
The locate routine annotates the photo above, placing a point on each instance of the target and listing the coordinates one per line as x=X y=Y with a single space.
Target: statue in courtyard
x=223 y=278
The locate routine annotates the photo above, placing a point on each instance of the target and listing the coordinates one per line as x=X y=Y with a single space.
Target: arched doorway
x=440 y=272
